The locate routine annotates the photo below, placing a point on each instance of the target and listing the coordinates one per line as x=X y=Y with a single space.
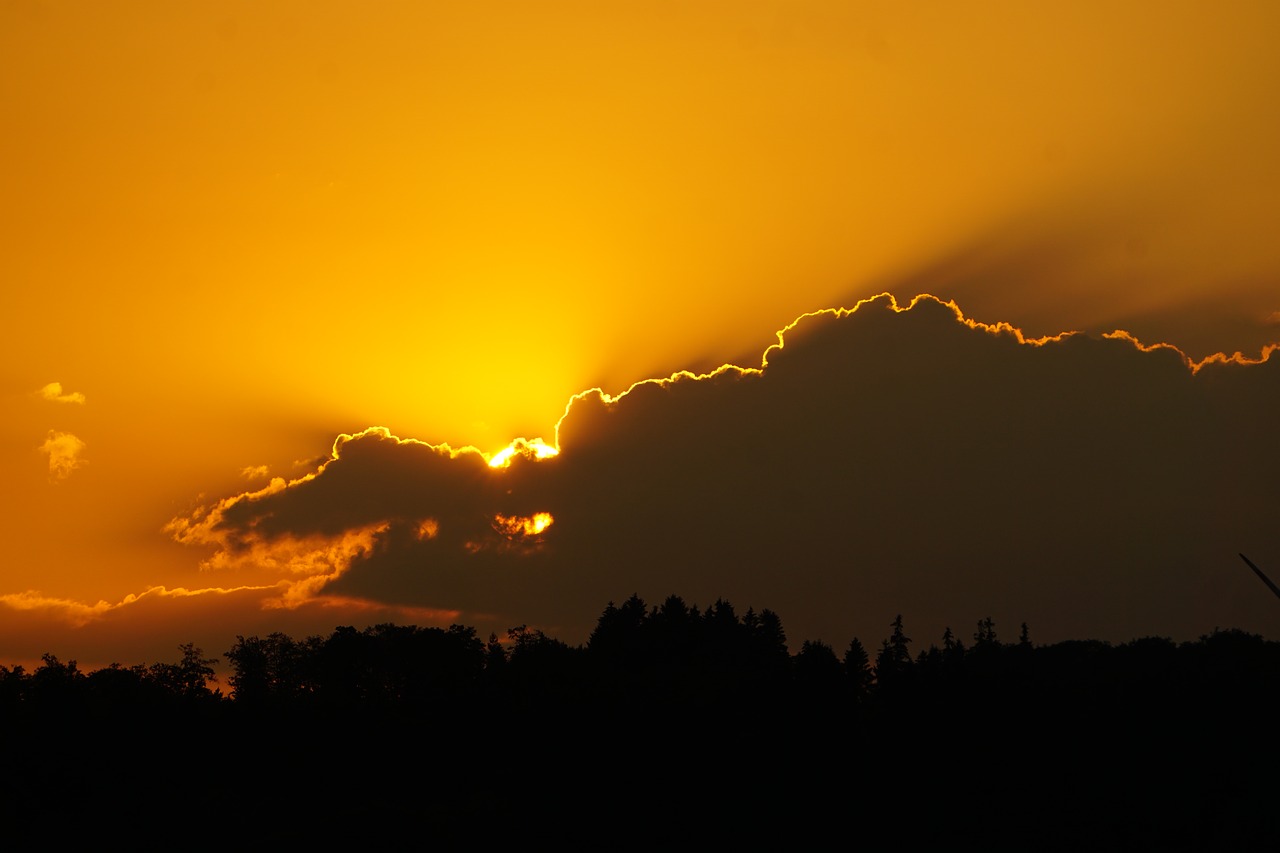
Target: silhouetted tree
x=767 y=642
x=189 y=677
x=13 y=686
x=952 y=649
x=985 y=637
x=857 y=669
x=894 y=660
x=818 y=673
x=115 y=688
x=722 y=652
x=269 y=668
x=929 y=662
x=618 y=635
x=539 y=660
x=674 y=631
x=56 y=684
x=495 y=656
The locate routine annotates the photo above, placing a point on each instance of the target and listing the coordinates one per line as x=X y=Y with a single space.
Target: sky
x=261 y=263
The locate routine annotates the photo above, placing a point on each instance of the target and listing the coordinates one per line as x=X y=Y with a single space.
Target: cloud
x=63 y=450
x=68 y=610
x=879 y=460
x=79 y=613
x=53 y=393
x=255 y=472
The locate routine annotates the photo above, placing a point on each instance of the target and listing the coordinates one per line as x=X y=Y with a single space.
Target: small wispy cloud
x=63 y=450
x=254 y=472
x=54 y=394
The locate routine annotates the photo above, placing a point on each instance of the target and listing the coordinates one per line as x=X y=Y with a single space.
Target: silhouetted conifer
x=768 y=641
x=857 y=670
x=818 y=673
x=893 y=663
x=495 y=656
x=985 y=637
x=930 y=661
x=952 y=649
x=619 y=633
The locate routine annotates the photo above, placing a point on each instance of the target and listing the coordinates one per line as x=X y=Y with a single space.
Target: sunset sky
x=235 y=236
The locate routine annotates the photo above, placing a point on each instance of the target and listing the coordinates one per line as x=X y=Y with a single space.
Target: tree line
x=672 y=654
x=698 y=721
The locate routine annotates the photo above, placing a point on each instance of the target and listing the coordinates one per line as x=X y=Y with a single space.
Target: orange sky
x=236 y=230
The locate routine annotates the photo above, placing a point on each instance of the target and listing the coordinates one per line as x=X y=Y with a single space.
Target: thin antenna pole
x=1257 y=571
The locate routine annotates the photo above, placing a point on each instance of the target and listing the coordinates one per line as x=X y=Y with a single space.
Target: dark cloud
x=882 y=461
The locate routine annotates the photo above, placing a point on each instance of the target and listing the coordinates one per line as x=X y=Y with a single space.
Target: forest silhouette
x=670 y=717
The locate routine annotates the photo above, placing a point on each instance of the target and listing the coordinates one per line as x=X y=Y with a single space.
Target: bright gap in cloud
x=530 y=449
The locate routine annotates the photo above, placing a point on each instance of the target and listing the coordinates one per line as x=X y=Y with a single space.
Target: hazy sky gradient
x=232 y=231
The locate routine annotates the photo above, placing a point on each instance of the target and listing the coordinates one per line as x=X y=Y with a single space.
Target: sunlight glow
x=528 y=448
x=522 y=526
